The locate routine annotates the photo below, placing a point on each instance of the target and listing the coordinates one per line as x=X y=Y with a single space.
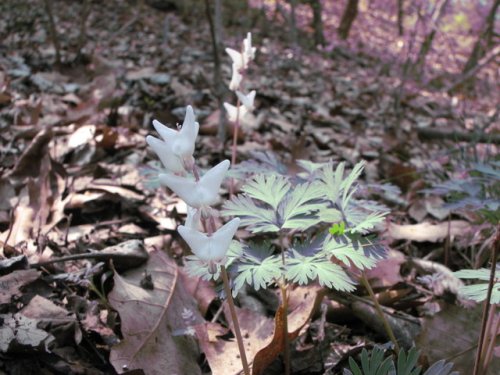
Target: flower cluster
x=175 y=150
x=240 y=65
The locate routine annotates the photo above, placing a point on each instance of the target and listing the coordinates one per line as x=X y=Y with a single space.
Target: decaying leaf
x=11 y=284
x=150 y=313
x=20 y=334
x=426 y=232
x=303 y=301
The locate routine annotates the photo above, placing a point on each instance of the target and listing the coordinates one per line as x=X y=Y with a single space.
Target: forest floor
x=77 y=191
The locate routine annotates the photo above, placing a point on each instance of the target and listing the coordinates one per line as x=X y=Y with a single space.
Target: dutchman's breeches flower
x=198 y=194
x=241 y=59
x=247 y=100
x=235 y=113
x=176 y=148
x=210 y=248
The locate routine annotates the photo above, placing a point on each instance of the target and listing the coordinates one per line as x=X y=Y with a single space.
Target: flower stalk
x=175 y=150
x=244 y=103
x=234 y=318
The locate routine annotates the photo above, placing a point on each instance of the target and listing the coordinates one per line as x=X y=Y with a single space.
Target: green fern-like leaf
x=342 y=248
x=268 y=188
x=373 y=364
x=407 y=362
x=332 y=181
x=310 y=167
x=337 y=229
x=347 y=184
x=479 y=292
x=257 y=267
x=256 y=218
x=303 y=269
x=330 y=215
x=269 y=205
x=368 y=222
x=298 y=210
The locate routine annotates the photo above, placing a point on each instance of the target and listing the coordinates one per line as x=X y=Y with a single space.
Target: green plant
x=299 y=213
x=374 y=363
x=475 y=190
x=478 y=292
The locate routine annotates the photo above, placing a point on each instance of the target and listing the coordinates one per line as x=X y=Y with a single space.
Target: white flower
x=241 y=60
x=248 y=50
x=247 y=100
x=176 y=148
x=236 y=79
x=232 y=112
x=210 y=248
x=198 y=194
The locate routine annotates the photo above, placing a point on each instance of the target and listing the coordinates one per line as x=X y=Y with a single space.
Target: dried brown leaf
x=148 y=318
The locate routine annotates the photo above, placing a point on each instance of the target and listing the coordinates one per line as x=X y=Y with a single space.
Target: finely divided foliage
x=478 y=292
x=257 y=266
x=375 y=364
x=274 y=203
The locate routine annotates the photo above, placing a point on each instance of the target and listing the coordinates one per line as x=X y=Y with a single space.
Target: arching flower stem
x=234 y=318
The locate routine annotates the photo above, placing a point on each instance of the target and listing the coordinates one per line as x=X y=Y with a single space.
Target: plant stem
x=380 y=313
x=235 y=142
x=491 y=346
x=486 y=309
x=234 y=318
x=284 y=304
x=286 y=351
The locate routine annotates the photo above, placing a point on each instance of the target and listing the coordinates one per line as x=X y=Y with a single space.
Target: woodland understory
x=84 y=223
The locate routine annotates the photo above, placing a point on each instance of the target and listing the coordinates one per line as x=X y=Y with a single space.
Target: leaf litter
x=72 y=143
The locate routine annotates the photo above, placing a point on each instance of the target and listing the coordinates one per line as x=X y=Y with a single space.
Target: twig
x=480 y=65
x=494 y=255
x=380 y=313
x=234 y=318
x=493 y=334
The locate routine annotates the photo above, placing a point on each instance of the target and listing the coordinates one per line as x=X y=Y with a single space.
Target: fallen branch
x=427 y=133
x=481 y=64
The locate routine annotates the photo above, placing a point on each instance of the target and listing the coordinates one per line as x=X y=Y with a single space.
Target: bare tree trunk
x=293 y=24
x=319 y=36
x=52 y=30
x=219 y=87
x=350 y=14
x=218 y=23
x=400 y=17
x=82 y=36
x=485 y=39
x=419 y=65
